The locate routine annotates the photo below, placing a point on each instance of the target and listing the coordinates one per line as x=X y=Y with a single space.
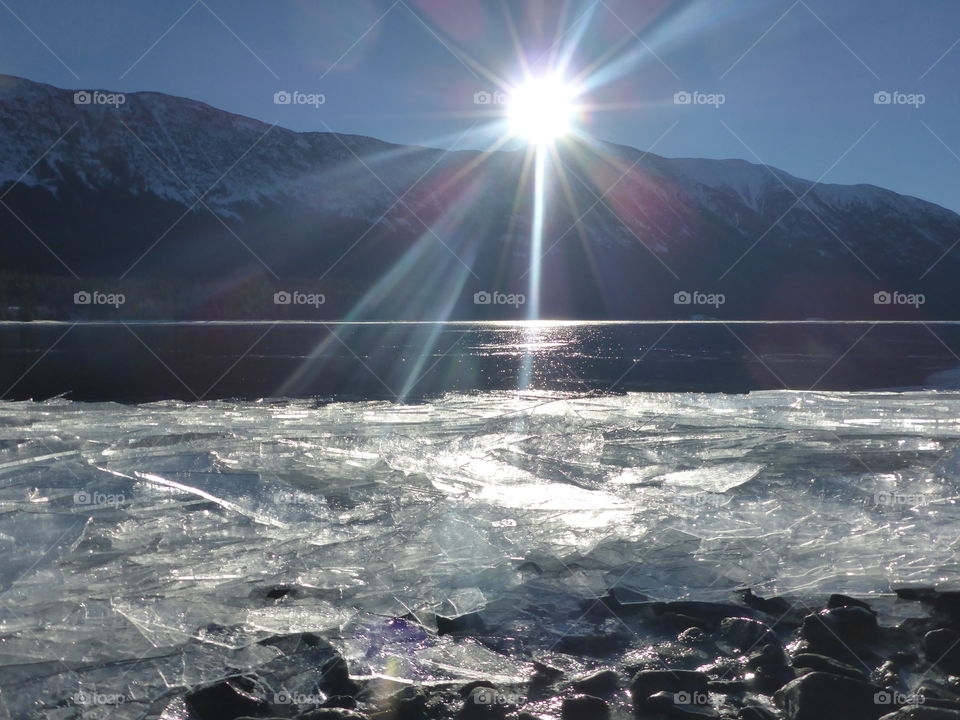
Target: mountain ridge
x=107 y=200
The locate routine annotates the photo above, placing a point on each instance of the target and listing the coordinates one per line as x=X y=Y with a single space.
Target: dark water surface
x=141 y=362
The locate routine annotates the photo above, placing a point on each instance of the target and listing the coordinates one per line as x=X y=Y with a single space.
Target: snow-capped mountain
x=165 y=187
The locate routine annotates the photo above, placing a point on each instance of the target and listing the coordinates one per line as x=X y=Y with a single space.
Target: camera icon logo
x=82 y=497
x=484 y=697
x=82 y=97
x=882 y=298
x=882 y=98
x=282 y=98
x=682 y=98
x=482 y=98
x=82 y=298
x=482 y=298
x=682 y=298
x=282 y=298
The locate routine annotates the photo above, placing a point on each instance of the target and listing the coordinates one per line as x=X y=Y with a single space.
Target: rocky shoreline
x=750 y=659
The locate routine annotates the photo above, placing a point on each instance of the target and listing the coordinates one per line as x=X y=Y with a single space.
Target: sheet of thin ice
x=139 y=541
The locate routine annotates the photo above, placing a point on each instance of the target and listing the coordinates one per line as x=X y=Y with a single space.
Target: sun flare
x=542 y=109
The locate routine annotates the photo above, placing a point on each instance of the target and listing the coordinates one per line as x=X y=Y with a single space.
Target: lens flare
x=542 y=109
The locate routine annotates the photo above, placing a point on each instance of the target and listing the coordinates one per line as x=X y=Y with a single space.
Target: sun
x=542 y=109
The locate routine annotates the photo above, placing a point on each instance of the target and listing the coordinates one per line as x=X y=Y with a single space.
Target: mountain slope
x=169 y=188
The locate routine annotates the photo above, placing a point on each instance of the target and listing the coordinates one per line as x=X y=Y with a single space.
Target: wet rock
x=332 y=714
x=777 y=607
x=727 y=687
x=228 y=699
x=837 y=601
x=692 y=635
x=681 y=706
x=812 y=662
x=922 y=713
x=842 y=633
x=821 y=696
x=584 y=707
x=473 y=685
x=700 y=614
x=648 y=682
x=483 y=704
x=942 y=647
x=756 y=712
x=469 y=624
x=545 y=673
x=744 y=634
x=887 y=675
x=601 y=684
x=601 y=646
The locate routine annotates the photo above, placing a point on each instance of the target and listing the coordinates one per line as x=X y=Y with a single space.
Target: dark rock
x=473 y=685
x=692 y=635
x=903 y=658
x=944 y=604
x=546 y=673
x=702 y=614
x=744 y=634
x=821 y=663
x=922 y=713
x=601 y=684
x=755 y=712
x=600 y=646
x=228 y=699
x=680 y=706
x=584 y=707
x=768 y=657
x=331 y=714
x=887 y=675
x=842 y=633
x=727 y=687
x=942 y=648
x=468 y=624
x=483 y=704
x=776 y=607
x=647 y=682
x=340 y=701
x=838 y=601
x=820 y=696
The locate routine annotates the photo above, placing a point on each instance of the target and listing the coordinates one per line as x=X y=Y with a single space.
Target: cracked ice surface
x=139 y=542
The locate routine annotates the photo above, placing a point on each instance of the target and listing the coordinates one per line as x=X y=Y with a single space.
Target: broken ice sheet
x=243 y=520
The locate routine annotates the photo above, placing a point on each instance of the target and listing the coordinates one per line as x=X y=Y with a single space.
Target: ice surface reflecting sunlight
x=155 y=530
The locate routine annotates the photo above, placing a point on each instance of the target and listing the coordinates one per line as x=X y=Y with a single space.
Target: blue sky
x=798 y=78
